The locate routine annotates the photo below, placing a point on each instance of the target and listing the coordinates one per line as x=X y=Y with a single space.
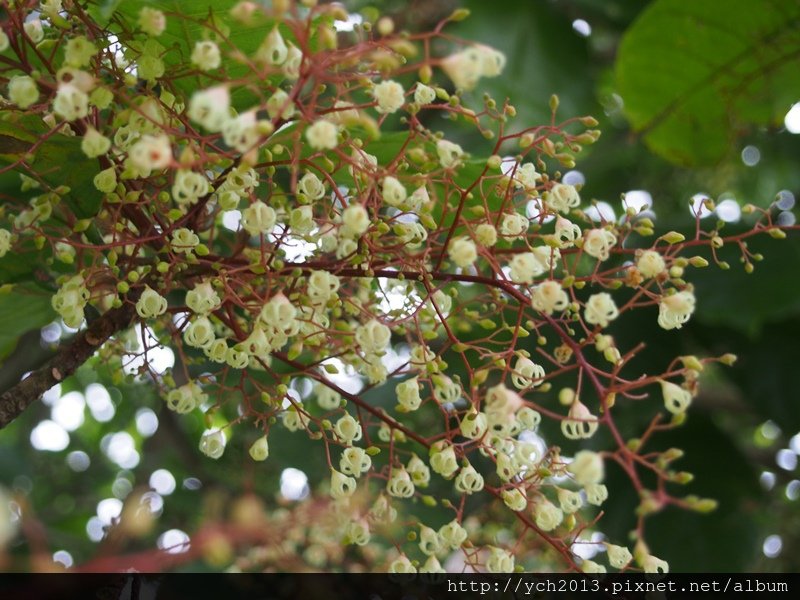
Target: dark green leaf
x=22 y=308
x=691 y=73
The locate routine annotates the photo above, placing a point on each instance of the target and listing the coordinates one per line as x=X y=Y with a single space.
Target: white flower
x=200 y=333
x=342 y=486
x=474 y=425
x=462 y=252
x=443 y=460
x=547 y=515
x=70 y=300
x=311 y=186
x=5 y=242
x=184 y=240
x=400 y=484
x=600 y=309
x=212 y=443
x=589 y=566
x=22 y=91
x=445 y=390
x=429 y=541
x=347 y=430
x=499 y=561
x=566 y=232
x=260 y=449
x=453 y=535
x=424 y=94
x=280 y=106
x=355 y=221
x=322 y=135
x=465 y=68
x=408 y=397
x=51 y=7
x=652 y=564
x=562 y=197
x=515 y=499
x=151 y=153
x=548 y=297
x=418 y=199
x=203 y=299
x=419 y=471
x=580 y=423
x=596 y=493
x=293 y=62
x=598 y=243
x=243 y=131
x=152 y=21
x=650 y=264
x=390 y=96
x=358 y=532
x=527 y=373
x=151 y=304
x=33 y=29
x=676 y=399
x=322 y=286
x=393 y=192
x=373 y=337
x=527 y=176
x=79 y=52
x=273 y=50
x=186 y=398
x=449 y=153
x=206 y=56
x=355 y=461
x=189 y=187
x=94 y=143
x=402 y=565
x=486 y=234
x=469 y=481
x=514 y=225
x=210 y=108
x=568 y=500
x=618 y=556
x=70 y=102
x=524 y=267
x=587 y=468
x=492 y=60
x=258 y=218
x=676 y=309
x=236 y=357
x=432 y=565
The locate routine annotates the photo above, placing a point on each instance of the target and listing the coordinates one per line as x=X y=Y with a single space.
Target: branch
x=66 y=361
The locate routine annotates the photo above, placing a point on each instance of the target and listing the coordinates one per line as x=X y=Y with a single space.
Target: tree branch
x=66 y=361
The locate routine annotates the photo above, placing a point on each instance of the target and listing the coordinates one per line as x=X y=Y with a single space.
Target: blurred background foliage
x=692 y=99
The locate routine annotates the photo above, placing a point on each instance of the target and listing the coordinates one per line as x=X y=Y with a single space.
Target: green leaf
x=22 y=308
x=58 y=160
x=102 y=10
x=692 y=74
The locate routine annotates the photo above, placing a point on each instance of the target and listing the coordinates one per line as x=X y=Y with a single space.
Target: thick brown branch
x=66 y=361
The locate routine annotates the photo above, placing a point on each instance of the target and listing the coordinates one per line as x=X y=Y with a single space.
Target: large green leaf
x=58 y=160
x=692 y=74
x=22 y=308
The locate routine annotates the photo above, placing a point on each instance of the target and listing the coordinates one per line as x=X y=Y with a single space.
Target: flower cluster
x=326 y=263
